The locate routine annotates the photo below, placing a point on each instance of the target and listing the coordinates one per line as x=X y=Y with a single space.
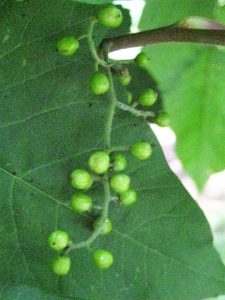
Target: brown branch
x=165 y=35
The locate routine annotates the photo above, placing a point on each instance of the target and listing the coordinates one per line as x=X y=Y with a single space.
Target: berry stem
x=134 y=111
x=111 y=112
x=91 y=43
x=99 y=228
x=165 y=35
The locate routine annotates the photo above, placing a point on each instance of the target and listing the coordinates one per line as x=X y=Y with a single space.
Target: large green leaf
x=49 y=125
x=192 y=82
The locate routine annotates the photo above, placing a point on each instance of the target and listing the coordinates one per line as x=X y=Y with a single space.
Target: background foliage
x=191 y=79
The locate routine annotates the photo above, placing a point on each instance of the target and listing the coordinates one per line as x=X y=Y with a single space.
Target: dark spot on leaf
x=14 y=173
x=90 y=105
x=23 y=15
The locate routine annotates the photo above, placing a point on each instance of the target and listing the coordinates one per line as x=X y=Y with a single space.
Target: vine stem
x=165 y=35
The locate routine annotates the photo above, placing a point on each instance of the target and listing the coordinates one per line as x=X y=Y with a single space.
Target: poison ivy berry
x=81 y=179
x=110 y=16
x=148 y=97
x=141 y=150
x=99 y=83
x=142 y=60
x=99 y=162
x=81 y=203
x=120 y=183
x=107 y=228
x=58 y=240
x=119 y=162
x=61 y=265
x=103 y=258
x=124 y=79
x=163 y=119
x=129 y=97
x=68 y=46
x=128 y=197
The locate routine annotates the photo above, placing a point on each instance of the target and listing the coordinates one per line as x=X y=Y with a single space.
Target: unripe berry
x=124 y=79
x=103 y=258
x=61 y=265
x=81 y=203
x=119 y=162
x=68 y=46
x=99 y=83
x=107 y=228
x=120 y=183
x=58 y=240
x=110 y=16
x=81 y=179
x=142 y=60
x=129 y=97
x=141 y=150
x=99 y=162
x=148 y=97
x=128 y=197
x=163 y=119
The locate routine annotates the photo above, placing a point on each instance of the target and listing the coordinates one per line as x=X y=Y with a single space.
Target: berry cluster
x=100 y=163
x=107 y=165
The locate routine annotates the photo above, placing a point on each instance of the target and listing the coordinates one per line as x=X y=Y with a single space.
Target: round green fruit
x=124 y=79
x=61 y=265
x=141 y=150
x=129 y=97
x=68 y=46
x=81 y=203
x=110 y=16
x=99 y=83
x=99 y=162
x=120 y=183
x=58 y=240
x=128 y=197
x=163 y=119
x=81 y=179
x=119 y=162
x=103 y=258
x=148 y=97
x=107 y=228
x=142 y=60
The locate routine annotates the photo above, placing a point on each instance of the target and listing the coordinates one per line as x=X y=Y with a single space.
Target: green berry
x=107 y=228
x=124 y=79
x=61 y=265
x=128 y=197
x=58 y=240
x=120 y=183
x=119 y=162
x=99 y=162
x=129 y=97
x=142 y=60
x=81 y=203
x=68 y=46
x=110 y=16
x=148 y=97
x=163 y=119
x=141 y=150
x=81 y=179
x=103 y=258
x=99 y=83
